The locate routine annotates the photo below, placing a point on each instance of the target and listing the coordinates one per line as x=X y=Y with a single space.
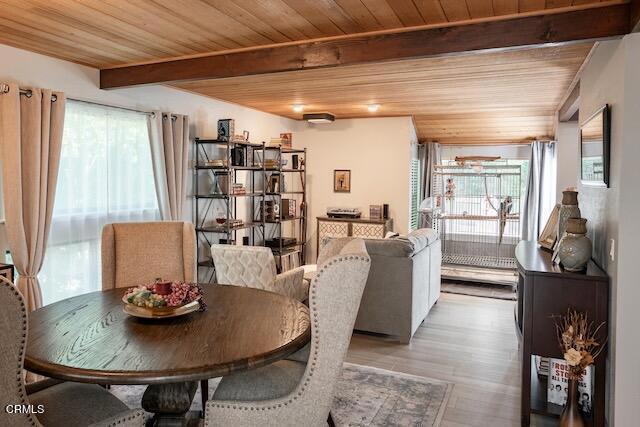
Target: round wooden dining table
x=90 y=339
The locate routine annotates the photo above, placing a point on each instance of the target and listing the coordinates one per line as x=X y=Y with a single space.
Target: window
x=414 y=194
x=105 y=176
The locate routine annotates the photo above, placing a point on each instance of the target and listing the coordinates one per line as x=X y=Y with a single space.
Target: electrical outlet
x=612 y=249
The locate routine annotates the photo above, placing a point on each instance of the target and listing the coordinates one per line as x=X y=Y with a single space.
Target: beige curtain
x=30 y=141
x=169 y=137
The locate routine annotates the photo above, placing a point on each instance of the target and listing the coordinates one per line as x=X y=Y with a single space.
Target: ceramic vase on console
x=571 y=416
x=568 y=209
x=574 y=251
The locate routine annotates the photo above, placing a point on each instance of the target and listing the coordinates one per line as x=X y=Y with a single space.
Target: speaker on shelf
x=385 y=211
x=237 y=156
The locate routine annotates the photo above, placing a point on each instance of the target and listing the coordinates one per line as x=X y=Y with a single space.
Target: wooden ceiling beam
x=570 y=106
x=610 y=20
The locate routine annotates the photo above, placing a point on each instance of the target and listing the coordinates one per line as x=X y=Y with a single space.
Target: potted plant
x=579 y=344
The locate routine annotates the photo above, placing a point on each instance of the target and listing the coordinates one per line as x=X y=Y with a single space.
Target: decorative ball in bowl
x=163 y=299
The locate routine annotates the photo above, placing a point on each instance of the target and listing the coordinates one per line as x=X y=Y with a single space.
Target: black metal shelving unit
x=206 y=203
x=298 y=223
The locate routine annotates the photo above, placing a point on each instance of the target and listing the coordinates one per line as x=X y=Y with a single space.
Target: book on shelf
x=283 y=142
x=239 y=139
x=238 y=188
x=218 y=163
x=268 y=164
x=289 y=260
x=558 y=383
x=232 y=223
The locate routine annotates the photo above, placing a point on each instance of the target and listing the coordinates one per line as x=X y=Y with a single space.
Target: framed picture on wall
x=341 y=181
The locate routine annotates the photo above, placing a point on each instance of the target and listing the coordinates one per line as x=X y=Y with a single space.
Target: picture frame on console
x=595 y=148
x=549 y=235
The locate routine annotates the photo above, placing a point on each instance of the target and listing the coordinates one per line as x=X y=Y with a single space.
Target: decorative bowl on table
x=163 y=299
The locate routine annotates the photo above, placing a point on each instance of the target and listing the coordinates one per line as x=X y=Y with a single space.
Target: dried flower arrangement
x=578 y=341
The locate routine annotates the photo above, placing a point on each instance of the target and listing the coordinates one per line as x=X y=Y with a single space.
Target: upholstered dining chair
x=255 y=267
x=63 y=403
x=290 y=393
x=134 y=253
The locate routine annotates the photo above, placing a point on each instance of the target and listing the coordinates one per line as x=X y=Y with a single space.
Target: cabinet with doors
x=546 y=290
x=366 y=228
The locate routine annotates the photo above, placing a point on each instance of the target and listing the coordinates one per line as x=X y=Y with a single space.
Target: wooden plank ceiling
x=106 y=33
x=495 y=97
x=486 y=97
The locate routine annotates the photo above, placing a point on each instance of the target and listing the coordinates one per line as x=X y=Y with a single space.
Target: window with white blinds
x=414 y=194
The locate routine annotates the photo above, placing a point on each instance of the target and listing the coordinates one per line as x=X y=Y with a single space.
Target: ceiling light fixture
x=373 y=107
x=319 y=117
x=298 y=108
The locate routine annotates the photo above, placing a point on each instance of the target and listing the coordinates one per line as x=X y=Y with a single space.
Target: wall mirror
x=595 y=148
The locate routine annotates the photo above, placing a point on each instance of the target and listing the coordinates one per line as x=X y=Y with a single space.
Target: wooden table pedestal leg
x=170 y=403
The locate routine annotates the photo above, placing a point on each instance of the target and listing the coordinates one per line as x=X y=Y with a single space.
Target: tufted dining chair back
x=334 y=298
x=134 y=253
x=13 y=324
x=255 y=267
x=251 y=266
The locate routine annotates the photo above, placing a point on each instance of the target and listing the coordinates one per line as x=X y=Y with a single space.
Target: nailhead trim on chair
x=316 y=339
x=21 y=392
x=128 y=418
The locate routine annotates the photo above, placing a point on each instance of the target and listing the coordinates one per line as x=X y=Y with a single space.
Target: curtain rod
x=492 y=144
x=4 y=88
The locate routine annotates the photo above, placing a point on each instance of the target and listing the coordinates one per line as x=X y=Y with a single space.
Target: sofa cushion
x=397 y=246
x=402 y=246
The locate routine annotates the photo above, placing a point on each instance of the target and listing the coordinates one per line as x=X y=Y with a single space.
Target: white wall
x=627 y=355
x=611 y=76
x=378 y=153
x=568 y=156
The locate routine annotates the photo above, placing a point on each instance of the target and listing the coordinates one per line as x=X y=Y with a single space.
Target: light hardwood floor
x=468 y=341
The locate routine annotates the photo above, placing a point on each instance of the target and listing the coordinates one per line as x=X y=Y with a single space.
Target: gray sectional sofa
x=403 y=283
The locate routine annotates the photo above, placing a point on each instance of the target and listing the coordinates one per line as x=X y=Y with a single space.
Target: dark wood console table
x=545 y=289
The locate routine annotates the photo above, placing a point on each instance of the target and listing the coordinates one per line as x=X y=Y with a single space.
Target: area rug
x=365 y=396
x=479 y=290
